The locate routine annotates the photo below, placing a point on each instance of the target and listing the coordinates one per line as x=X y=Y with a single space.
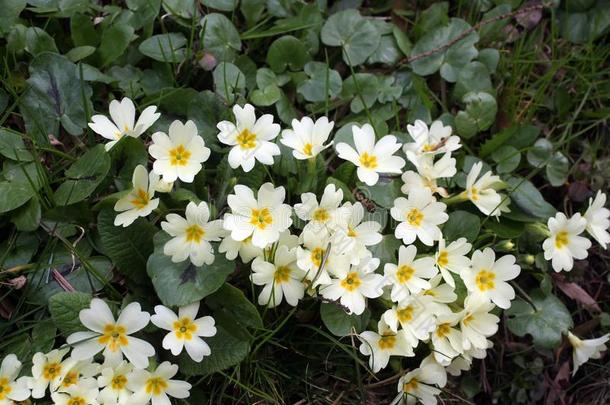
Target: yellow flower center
x=307 y=149
x=415 y=217
x=118 y=382
x=70 y=379
x=429 y=147
x=387 y=342
x=467 y=319
x=261 y=218
x=404 y=274
x=194 y=233
x=246 y=139
x=317 y=254
x=443 y=258
x=405 y=315
x=443 y=330
x=141 y=199
x=51 y=371
x=5 y=388
x=76 y=401
x=474 y=193
x=282 y=274
x=321 y=215
x=114 y=337
x=156 y=385
x=430 y=293
x=485 y=280
x=351 y=282
x=410 y=386
x=561 y=240
x=119 y=135
x=184 y=328
x=368 y=161
x=351 y=232
x=179 y=156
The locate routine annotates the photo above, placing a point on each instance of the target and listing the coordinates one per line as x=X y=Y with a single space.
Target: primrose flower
x=113 y=337
x=249 y=137
x=83 y=393
x=307 y=137
x=139 y=202
x=371 y=157
x=410 y=275
x=487 y=278
x=598 y=219
x=311 y=255
x=327 y=214
x=428 y=172
x=564 y=245
x=282 y=278
x=436 y=140
x=446 y=338
x=179 y=155
x=482 y=192
x=477 y=323
x=192 y=236
x=113 y=383
x=419 y=216
x=262 y=219
x=413 y=316
x=185 y=329
x=420 y=385
x=452 y=258
x=585 y=349
x=382 y=344
x=123 y=114
x=12 y=389
x=47 y=371
x=157 y=386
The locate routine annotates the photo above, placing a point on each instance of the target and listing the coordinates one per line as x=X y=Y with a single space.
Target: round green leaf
x=287 y=52
x=323 y=83
x=356 y=35
x=540 y=153
x=65 y=307
x=557 y=169
x=165 y=47
x=339 y=322
x=507 y=159
x=220 y=37
x=461 y=224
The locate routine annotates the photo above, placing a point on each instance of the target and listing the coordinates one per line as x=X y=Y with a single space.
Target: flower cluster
x=439 y=291
x=122 y=378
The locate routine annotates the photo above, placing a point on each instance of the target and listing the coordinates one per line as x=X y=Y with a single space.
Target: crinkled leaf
x=65 y=307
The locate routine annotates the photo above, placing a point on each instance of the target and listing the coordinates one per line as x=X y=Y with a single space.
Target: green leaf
x=506 y=228
x=546 y=323
x=507 y=159
x=80 y=52
x=451 y=60
x=403 y=42
x=490 y=58
x=223 y=5
x=479 y=115
x=65 y=307
x=129 y=247
x=10 y=14
x=387 y=52
x=357 y=36
x=229 y=81
x=38 y=41
x=267 y=96
x=12 y=146
x=183 y=283
x=21 y=183
x=287 y=52
x=115 y=40
x=540 y=153
x=461 y=224
x=339 y=322
x=383 y=193
x=165 y=47
x=362 y=89
x=387 y=249
x=323 y=83
x=181 y=8
x=527 y=197
x=557 y=169
x=220 y=37
x=474 y=77
x=83 y=176
x=206 y=110
x=55 y=95
x=27 y=217
x=231 y=303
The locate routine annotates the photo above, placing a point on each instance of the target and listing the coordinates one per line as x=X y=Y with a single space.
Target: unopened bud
x=207 y=61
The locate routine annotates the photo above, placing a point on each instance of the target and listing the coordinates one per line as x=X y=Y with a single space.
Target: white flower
x=371 y=158
x=482 y=192
x=446 y=339
x=112 y=337
x=352 y=288
x=139 y=202
x=564 y=245
x=179 y=155
x=307 y=138
x=249 y=138
x=419 y=385
x=282 y=278
x=583 y=350
x=452 y=258
x=263 y=218
x=12 y=388
x=192 y=236
x=413 y=315
x=327 y=215
x=157 y=386
x=123 y=114
x=113 y=382
x=427 y=173
x=83 y=393
x=477 y=323
x=440 y=293
x=73 y=372
x=410 y=274
x=310 y=258
x=383 y=344
x=419 y=216
x=598 y=219
x=357 y=235
x=487 y=278
x=185 y=329
x=436 y=140
x=47 y=371
x=246 y=250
